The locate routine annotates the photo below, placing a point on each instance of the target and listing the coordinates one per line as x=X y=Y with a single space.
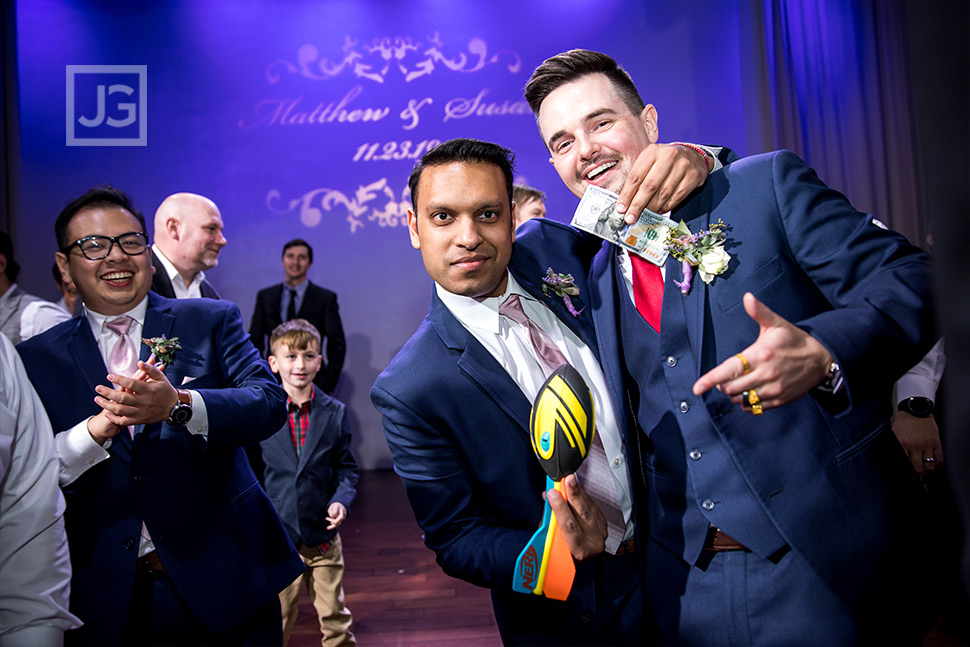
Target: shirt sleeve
x=923 y=380
x=34 y=559
x=40 y=316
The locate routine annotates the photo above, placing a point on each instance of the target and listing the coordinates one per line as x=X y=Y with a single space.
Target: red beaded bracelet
x=700 y=151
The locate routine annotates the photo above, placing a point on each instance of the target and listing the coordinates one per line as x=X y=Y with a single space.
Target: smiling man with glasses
x=172 y=541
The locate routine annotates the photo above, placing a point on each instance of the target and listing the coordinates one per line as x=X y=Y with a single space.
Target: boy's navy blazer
x=302 y=488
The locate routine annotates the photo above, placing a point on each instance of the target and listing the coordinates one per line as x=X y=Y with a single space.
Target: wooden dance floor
x=396 y=592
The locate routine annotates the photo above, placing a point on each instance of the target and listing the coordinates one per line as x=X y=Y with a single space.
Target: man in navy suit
x=456 y=402
x=793 y=518
x=172 y=540
x=295 y=297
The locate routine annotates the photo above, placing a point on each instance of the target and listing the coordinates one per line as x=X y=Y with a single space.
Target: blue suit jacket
x=213 y=527
x=457 y=427
x=827 y=472
x=302 y=488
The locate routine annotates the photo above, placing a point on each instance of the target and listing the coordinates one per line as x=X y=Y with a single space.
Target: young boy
x=311 y=478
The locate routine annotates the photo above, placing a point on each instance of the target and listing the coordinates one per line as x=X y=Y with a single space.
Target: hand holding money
x=597 y=214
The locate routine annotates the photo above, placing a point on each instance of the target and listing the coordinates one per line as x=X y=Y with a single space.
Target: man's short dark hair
x=468 y=151
x=298 y=242
x=522 y=193
x=569 y=66
x=6 y=248
x=101 y=196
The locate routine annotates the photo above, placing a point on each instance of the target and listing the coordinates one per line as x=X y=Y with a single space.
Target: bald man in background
x=187 y=241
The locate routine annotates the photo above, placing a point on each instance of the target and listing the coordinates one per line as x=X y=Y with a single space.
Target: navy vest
x=691 y=476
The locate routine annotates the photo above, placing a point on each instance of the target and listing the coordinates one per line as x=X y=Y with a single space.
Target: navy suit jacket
x=162 y=285
x=303 y=487
x=213 y=526
x=319 y=307
x=457 y=427
x=826 y=470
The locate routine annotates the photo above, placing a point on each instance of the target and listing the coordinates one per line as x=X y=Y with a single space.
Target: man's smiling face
x=592 y=135
x=117 y=283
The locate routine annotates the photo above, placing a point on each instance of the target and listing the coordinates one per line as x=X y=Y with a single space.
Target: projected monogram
x=391 y=55
x=375 y=202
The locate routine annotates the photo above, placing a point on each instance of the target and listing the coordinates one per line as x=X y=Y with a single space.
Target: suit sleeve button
x=129 y=544
x=139 y=480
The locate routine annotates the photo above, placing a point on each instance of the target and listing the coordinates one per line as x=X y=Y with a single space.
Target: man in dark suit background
x=188 y=239
x=298 y=297
x=172 y=540
x=796 y=517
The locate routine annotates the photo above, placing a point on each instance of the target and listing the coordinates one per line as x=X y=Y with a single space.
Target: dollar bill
x=597 y=214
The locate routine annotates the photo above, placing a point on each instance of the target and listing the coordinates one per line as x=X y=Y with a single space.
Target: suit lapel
x=282 y=444
x=319 y=420
x=479 y=365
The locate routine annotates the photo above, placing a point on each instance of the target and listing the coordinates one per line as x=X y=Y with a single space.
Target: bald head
x=188 y=231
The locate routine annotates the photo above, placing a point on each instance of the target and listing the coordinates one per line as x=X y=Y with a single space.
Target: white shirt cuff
x=77 y=452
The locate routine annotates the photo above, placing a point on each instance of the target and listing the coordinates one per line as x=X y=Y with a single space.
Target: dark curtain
x=830 y=81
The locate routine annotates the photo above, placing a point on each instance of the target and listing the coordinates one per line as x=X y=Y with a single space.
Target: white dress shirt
x=34 y=559
x=194 y=291
x=509 y=344
x=40 y=316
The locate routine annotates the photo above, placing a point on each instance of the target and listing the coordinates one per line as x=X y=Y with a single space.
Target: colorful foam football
x=562 y=423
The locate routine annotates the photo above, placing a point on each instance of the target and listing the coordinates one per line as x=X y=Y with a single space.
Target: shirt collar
x=483 y=314
x=299 y=289
x=171 y=271
x=96 y=319
x=293 y=406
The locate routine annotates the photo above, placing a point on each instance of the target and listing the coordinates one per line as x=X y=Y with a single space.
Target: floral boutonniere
x=562 y=285
x=703 y=250
x=163 y=348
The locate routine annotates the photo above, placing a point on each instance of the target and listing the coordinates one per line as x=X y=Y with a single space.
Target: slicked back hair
x=569 y=66
x=468 y=151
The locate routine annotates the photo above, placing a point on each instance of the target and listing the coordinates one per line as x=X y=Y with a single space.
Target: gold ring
x=744 y=363
x=754 y=402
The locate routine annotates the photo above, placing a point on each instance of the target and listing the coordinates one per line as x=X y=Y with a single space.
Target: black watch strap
x=919 y=407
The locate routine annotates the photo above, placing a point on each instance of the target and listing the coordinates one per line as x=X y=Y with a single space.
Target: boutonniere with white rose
x=562 y=285
x=703 y=250
x=163 y=348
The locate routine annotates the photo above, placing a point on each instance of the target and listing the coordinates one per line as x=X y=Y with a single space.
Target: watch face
x=919 y=407
x=181 y=414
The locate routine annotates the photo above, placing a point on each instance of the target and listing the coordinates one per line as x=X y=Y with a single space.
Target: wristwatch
x=918 y=407
x=182 y=411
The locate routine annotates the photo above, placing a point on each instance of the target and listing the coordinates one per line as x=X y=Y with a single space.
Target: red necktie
x=648 y=290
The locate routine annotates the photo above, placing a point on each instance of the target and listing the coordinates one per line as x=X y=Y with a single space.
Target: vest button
x=684 y=407
x=707 y=504
x=671 y=361
x=695 y=454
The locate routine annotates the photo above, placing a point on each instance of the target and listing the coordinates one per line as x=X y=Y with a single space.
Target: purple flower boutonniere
x=703 y=250
x=562 y=285
x=163 y=348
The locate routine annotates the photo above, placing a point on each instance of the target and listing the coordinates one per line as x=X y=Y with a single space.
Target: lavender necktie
x=123 y=359
x=594 y=474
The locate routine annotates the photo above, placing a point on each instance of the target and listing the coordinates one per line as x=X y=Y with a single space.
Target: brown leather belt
x=719 y=541
x=150 y=563
x=626 y=548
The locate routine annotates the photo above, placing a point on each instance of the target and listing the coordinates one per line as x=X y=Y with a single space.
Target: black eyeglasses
x=95 y=248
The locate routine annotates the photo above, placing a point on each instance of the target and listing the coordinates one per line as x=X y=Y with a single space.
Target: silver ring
x=929 y=460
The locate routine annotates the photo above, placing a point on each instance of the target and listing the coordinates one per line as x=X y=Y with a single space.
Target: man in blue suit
x=172 y=540
x=793 y=518
x=456 y=402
